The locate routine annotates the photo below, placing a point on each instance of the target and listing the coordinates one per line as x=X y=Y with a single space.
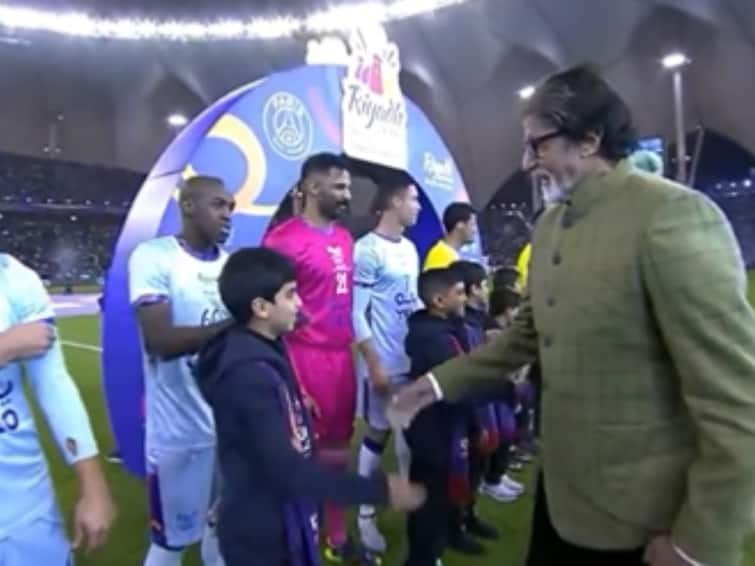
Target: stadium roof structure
x=463 y=65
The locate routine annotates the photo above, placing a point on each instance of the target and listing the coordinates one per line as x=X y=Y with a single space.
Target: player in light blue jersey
x=386 y=268
x=31 y=529
x=173 y=286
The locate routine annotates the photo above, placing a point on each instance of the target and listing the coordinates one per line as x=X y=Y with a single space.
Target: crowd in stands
x=75 y=243
x=740 y=210
x=505 y=230
x=31 y=180
x=62 y=248
x=505 y=227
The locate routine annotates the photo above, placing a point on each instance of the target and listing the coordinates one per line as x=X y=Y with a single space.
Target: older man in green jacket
x=637 y=310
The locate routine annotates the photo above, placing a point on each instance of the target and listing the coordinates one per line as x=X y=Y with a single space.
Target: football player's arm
x=64 y=411
x=252 y=393
x=366 y=265
x=25 y=340
x=166 y=340
x=149 y=289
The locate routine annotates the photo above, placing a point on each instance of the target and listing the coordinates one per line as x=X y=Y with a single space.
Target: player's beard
x=334 y=210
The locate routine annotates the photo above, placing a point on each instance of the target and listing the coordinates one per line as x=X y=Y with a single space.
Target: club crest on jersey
x=206 y=278
x=336 y=256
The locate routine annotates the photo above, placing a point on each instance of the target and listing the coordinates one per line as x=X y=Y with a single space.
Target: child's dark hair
x=502 y=299
x=471 y=273
x=436 y=282
x=252 y=273
x=506 y=276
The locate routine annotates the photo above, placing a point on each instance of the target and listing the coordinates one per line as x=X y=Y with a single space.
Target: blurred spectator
x=505 y=229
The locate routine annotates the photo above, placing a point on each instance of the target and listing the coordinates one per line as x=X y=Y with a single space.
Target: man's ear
x=590 y=146
x=310 y=186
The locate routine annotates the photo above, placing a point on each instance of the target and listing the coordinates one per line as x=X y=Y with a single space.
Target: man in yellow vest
x=460 y=223
x=522 y=263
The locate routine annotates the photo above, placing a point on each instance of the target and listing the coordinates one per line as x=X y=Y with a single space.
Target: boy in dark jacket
x=438 y=461
x=271 y=484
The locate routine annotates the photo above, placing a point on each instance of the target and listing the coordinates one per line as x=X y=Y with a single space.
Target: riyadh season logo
x=439 y=173
x=372 y=106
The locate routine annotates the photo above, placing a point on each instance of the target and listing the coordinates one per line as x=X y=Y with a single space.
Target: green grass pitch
x=128 y=540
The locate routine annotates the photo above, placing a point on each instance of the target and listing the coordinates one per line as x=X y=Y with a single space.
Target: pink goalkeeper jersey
x=324 y=264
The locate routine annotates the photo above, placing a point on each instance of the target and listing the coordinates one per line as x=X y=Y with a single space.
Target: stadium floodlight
x=343 y=17
x=675 y=60
x=526 y=92
x=177 y=120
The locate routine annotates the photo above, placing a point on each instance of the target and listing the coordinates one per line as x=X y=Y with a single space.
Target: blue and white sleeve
x=148 y=280
x=366 y=273
x=53 y=386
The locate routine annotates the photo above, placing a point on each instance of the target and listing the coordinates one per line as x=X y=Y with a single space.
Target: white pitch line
x=81 y=346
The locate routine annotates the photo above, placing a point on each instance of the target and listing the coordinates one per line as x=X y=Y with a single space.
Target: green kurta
x=637 y=310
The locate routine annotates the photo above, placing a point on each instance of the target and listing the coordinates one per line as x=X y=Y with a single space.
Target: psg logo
x=288 y=126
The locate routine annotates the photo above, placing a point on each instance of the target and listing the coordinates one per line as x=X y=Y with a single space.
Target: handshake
x=404 y=495
x=408 y=401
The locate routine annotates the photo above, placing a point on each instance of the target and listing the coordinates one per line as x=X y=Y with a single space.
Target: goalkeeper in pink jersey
x=319 y=348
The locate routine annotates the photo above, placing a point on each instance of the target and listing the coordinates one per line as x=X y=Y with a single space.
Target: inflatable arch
x=255 y=139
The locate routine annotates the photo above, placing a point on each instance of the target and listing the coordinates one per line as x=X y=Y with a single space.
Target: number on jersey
x=8 y=421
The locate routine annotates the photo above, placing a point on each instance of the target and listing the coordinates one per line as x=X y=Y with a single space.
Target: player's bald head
x=191 y=188
x=206 y=208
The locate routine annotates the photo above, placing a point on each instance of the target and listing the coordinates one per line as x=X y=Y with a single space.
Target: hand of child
x=311 y=405
x=405 y=496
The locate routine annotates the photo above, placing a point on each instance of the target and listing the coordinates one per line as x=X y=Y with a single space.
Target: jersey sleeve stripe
x=148 y=300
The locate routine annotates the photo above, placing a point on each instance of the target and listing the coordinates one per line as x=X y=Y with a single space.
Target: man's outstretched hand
x=661 y=552
x=405 y=496
x=408 y=401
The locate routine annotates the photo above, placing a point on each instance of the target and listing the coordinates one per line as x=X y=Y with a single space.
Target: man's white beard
x=550 y=190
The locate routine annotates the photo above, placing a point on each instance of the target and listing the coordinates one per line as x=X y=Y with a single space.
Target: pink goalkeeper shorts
x=327 y=376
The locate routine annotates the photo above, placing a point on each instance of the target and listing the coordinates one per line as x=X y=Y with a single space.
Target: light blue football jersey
x=177 y=416
x=385 y=295
x=26 y=493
